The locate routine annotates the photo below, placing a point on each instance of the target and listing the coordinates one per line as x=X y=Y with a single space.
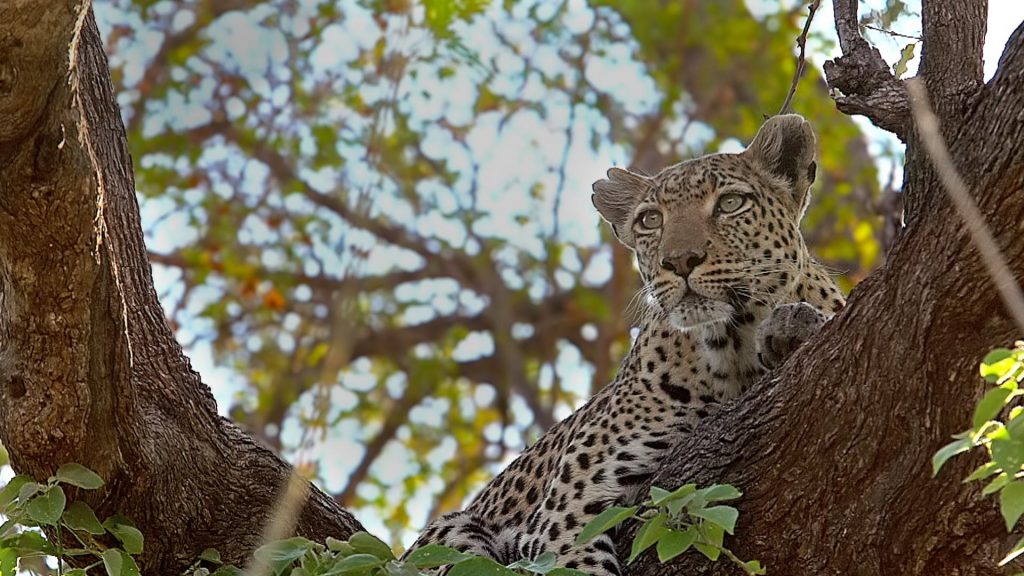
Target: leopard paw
x=788 y=326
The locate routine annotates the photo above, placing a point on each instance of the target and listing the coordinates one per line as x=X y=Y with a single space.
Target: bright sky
x=339 y=453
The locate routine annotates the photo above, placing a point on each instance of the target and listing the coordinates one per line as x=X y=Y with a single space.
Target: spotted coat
x=718 y=247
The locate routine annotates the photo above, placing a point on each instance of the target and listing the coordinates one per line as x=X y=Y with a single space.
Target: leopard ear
x=785 y=145
x=616 y=198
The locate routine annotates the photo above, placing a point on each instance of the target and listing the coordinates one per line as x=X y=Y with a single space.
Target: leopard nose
x=682 y=265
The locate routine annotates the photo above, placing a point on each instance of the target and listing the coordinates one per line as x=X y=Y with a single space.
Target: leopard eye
x=729 y=203
x=650 y=220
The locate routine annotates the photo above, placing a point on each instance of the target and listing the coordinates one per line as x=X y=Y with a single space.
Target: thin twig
x=891 y=33
x=956 y=188
x=283 y=519
x=801 y=61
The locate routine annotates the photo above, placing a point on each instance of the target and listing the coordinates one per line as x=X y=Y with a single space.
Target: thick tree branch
x=89 y=370
x=895 y=375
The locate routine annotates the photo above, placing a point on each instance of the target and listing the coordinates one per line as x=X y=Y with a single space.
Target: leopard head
x=718 y=235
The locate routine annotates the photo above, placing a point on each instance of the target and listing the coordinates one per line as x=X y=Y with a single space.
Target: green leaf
x=480 y=567
x=1011 y=503
x=604 y=522
x=75 y=572
x=356 y=563
x=1017 y=550
x=996 y=364
x=996 y=356
x=996 y=484
x=541 y=565
x=8 y=562
x=710 y=534
x=434 y=555
x=989 y=406
x=906 y=55
x=712 y=552
x=754 y=567
x=118 y=563
x=366 y=543
x=12 y=489
x=724 y=516
x=112 y=561
x=47 y=507
x=227 y=570
x=33 y=542
x=947 y=452
x=567 y=572
x=27 y=491
x=128 y=565
x=1007 y=452
x=211 y=555
x=719 y=492
x=682 y=492
x=281 y=554
x=340 y=546
x=658 y=495
x=129 y=536
x=675 y=543
x=651 y=531
x=396 y=568
x=79 y=516
x=984 y=471
x=78 y=475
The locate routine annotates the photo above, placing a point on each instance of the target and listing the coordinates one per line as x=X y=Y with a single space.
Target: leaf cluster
x=365 y=555
x=997 y=427
x=676 y=521
x=30 y=506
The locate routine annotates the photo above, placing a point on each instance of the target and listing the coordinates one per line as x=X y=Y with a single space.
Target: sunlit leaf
x=1011 y=503
x=675 y=543
x=47 y=507
x=434 y=555
x=604 y=522
x=78 y=475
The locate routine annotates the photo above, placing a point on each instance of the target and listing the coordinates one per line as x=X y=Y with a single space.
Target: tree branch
x=860 y=79
x=895 y=374
x=951 y=58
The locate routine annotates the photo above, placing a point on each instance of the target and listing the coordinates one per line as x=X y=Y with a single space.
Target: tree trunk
x=832 y=453
x=89 y=370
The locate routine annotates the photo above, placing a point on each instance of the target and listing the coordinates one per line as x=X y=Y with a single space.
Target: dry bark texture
x=832 y=452
x=89 y=370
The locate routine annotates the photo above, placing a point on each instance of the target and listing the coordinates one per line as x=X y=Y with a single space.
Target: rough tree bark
x=89 y=370
x=832 y=452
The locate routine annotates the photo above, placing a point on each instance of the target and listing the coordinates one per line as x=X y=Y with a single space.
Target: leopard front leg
x=603 y=465
x=555 y=531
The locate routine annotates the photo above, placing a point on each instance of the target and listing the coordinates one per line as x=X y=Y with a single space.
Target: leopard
x=730 y=291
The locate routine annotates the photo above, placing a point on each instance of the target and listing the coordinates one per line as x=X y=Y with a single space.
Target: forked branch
x=860 y=79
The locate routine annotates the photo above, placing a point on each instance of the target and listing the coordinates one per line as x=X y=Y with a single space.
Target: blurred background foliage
x=370 y=219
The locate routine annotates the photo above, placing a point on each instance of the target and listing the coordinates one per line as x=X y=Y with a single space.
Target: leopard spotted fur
x=726 y=273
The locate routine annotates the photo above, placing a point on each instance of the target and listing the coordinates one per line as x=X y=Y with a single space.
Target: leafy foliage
x=31 y=507
x=1001 y=437
x=676 y=521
